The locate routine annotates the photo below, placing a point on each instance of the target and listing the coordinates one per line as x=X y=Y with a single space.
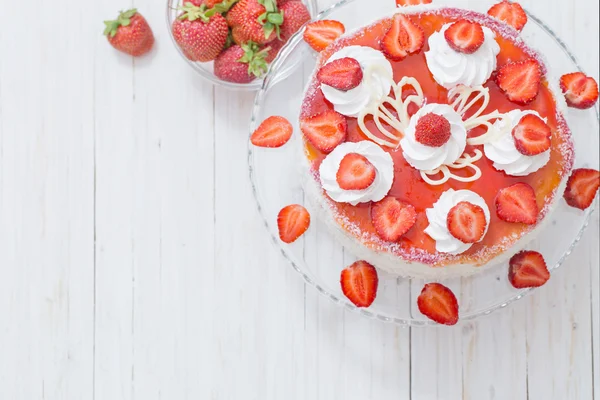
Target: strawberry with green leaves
x=257 y=21
x=130 y=33
x=201 y=33
x=241 y=64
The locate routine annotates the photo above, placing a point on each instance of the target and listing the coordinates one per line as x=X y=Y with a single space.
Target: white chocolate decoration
x=380 y=112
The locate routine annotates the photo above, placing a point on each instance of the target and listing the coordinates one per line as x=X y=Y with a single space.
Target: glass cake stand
x=276 y=181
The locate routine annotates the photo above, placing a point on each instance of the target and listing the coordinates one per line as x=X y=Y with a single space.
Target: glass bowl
x=205 y=70
x=319 y=258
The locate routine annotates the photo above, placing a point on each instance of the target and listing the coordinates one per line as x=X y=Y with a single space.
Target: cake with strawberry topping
x=435 y=142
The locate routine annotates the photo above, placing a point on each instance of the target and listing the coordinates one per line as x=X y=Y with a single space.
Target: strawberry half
x=528 y=269
x=403 y=3
x=520 y=80
x=355 y=172
x=464 y=36
x=509 y=13
x=582 y=188
x=466 y=222
x=439 y=304
x=359 y=283
x=580 y=91
x=325 y=131
x=342 y=74
x=517 y=204
x=320 y=34
x=532 y=135
x=432 y=130
x=273 y=132
x=402 y=39
x=292 y=222
x=392 y=218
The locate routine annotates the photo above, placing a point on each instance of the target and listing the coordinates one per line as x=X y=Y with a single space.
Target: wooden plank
x=46 y=203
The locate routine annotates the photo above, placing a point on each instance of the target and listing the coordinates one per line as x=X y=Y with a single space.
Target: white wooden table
x=133 y=263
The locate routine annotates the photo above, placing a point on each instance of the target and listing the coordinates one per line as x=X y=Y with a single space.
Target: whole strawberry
x=241 y=64
x=295 y=14
x=255 y=21
x=273 y=49
x=130 y=33
x=200 y=33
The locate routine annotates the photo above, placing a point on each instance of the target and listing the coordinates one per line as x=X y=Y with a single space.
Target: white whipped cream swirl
x=503 y=152
x=427 y=158
x=380 y=159
x=451 y=68
x=372 y=89
x=438 y=220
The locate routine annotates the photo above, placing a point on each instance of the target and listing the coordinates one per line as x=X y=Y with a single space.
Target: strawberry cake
x=434 y=139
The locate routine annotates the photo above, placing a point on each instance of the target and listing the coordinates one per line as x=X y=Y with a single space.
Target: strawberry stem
x=271 y=19
x=255 y=57
x=124 y=19
x=192 y=12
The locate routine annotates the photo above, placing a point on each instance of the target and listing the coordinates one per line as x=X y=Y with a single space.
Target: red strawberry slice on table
x=359 y=283
x=466 y=222
x=517 y=204
x=509 y=13
x=325 y=131
x=403 y=38
x=292 y=221
x=439 y=304
x=532 y=135
x=520 y=81
x=528 y=269
x=200 y=34
x=241 y=64
x=433 y=130
x=257 y=21
x=342 y=74
x=320 y=34
x=403 y=3
x=295 y=14
x=582 y=188
x=392 y=218
x=355 y=172
x=465 y=36
x=580 y=90
x=274 y=131
x=130 y=33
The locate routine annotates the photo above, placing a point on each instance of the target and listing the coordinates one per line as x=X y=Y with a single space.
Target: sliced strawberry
x=580 y=91
x=520 y=80
x=326 y=130
x=392 y=218
x=292 y=222
x=582 y=188
x=510 y=13
x=402 y=3
x=359 y=283
x=532 y=135
x=274 y=131
x=320 y=34
x=528 y=269
x=517 y=204
x=342 y=74
x=466 y=222
x=355 y=172
x=403 y=38
x=464 y=36
x=432 y=130
x=439 y=304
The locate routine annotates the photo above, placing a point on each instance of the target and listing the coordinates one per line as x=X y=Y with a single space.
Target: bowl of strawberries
x=232 y=42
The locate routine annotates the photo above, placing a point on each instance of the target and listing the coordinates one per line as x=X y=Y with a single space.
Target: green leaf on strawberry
x=255 y=57
x=124 y=19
